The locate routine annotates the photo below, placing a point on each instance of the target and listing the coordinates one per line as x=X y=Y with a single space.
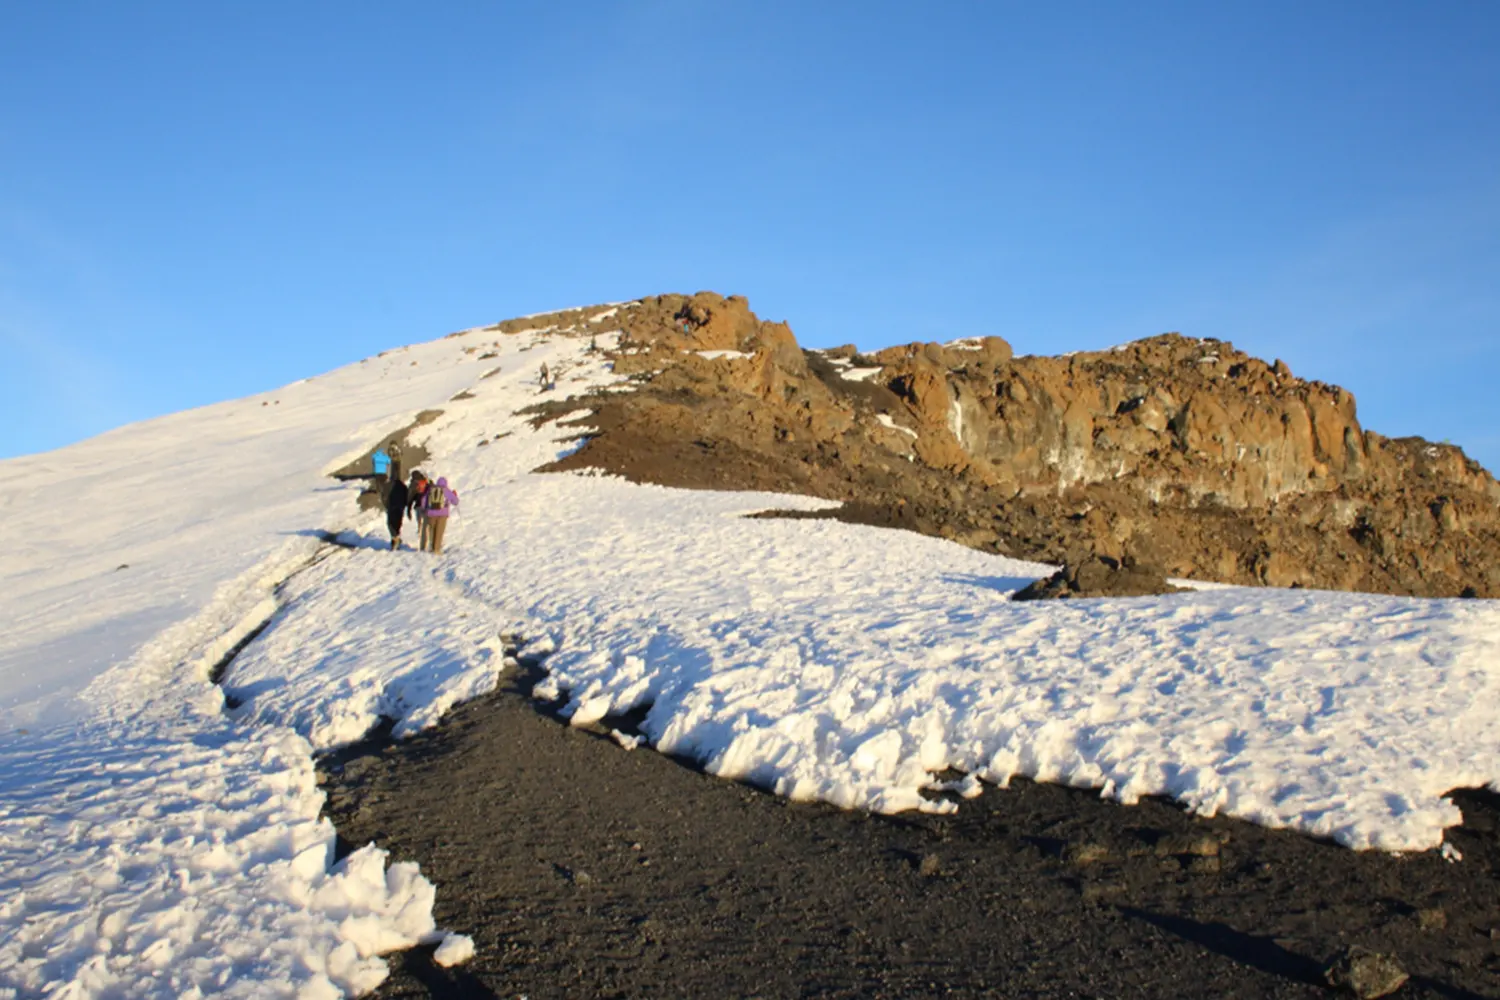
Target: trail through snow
x=151 y=843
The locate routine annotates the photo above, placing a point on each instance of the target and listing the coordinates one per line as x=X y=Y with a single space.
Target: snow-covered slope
x=111 y=540
x=153 y=843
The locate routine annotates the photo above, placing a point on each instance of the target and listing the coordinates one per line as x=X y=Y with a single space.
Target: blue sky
x=201 y=201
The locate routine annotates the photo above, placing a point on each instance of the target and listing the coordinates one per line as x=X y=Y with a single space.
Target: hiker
x=440 y=504
x=546 y=377
x=380 y=462
x=395 y=472
x=396 y=500
x=416 y=495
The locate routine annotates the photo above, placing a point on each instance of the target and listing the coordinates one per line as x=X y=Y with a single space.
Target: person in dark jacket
x=396 y=500
x=416 y=495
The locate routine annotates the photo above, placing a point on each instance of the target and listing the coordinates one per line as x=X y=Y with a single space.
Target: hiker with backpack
x=380 y=466
x=397 y=499
x=439 y=504
x=416 y=495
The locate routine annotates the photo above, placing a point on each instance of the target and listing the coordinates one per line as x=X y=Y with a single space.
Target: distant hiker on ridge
x=396 y=500
x=440 y=503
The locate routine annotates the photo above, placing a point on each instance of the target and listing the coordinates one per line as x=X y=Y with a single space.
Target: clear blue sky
x=200 y=201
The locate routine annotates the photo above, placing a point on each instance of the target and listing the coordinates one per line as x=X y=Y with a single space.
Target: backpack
x=437 y=497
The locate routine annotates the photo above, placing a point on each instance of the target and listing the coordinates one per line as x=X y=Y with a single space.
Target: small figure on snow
x=546 y=377
x=416 y=495
x=397 y=498
x=380 y=465
x=439 y=504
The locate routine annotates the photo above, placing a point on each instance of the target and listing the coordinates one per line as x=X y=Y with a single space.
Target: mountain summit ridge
x=1173 y=452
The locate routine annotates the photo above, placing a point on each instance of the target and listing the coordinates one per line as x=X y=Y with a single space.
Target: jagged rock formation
x=1171 y=452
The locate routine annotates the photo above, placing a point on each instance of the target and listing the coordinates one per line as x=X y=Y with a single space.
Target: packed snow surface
x=155 y=842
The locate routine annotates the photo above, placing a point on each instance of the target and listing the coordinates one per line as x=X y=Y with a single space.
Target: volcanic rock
x=1097 y=576
x=1365 y=974
x=1176 y=453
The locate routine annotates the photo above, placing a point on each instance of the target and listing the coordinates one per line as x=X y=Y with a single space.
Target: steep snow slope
x=111 y=540
x=150 y=843
x=155 y=844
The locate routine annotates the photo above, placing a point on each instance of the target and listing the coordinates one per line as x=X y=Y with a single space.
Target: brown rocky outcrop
x=1097 y=576
x=1172 y=452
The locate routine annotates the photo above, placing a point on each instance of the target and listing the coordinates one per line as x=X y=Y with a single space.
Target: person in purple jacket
x=438 y=505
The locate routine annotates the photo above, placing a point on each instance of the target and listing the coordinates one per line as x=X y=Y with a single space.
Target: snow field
x=407 y=648
x=112 y=540
x=847 y=664
x=191 y=865
x=152 y=844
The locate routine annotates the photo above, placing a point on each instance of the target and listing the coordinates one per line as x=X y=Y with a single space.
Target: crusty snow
x=154 y=842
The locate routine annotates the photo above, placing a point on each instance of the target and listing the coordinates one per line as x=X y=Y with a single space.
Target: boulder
x=1097 y=576
x=1365 y=974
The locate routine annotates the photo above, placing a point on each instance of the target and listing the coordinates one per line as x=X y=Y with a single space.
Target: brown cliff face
x=1179 y=454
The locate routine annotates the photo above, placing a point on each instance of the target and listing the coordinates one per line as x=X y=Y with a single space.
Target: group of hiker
x=430 y=502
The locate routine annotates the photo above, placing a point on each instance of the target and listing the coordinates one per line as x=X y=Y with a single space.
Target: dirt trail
x=583 y=870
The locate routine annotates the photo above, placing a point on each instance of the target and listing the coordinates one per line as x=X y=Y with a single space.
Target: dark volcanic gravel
x=584 y=870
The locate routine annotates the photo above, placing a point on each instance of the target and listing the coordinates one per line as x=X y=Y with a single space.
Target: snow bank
x=367 y=635
x=824 y=661
x=175 y=865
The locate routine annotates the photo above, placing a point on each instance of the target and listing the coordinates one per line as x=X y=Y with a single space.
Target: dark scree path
x=584 y=870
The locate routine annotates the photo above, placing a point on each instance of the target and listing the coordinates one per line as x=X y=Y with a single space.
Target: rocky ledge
x=1175 y=453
